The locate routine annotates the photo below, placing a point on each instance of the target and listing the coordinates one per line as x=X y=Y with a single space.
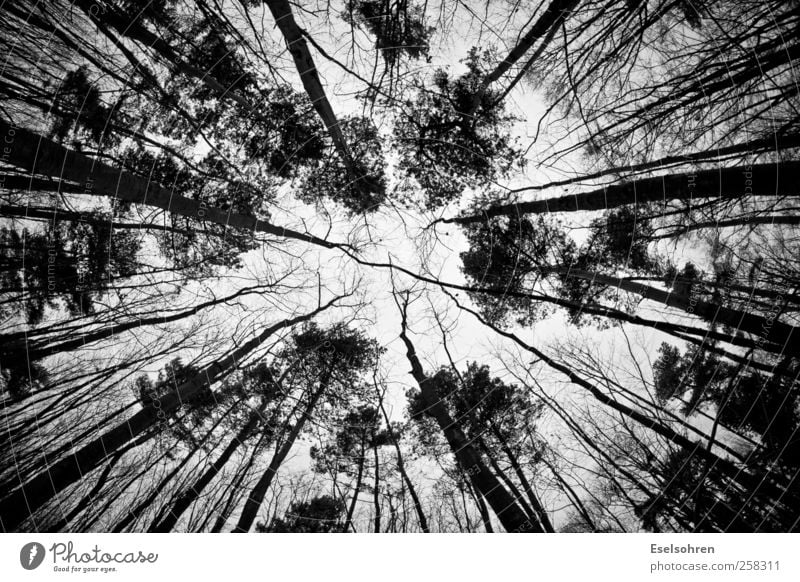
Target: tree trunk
x=778 y=179
x=349 y=521
x=726 y=466
x=230 y=502
x=95 y=491
x=258 y=493
x=486 y=483
x=552 y=17
x=423 y=522
x=293 y=35
x=512 y=487
x=23 y=502
x=40 y=155
x=785 y=336
x=191 y=494
x=32 y=351
x=486 y=519
x=296 y=43
x=376 y=493
x=538 y=509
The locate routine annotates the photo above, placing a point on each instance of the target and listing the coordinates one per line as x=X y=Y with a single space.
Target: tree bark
x=296 y=43
x=376 y=492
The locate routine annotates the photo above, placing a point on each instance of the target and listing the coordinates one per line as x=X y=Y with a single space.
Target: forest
x=400 y=266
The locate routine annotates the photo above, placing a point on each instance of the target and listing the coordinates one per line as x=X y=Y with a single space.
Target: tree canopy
x=399 y=266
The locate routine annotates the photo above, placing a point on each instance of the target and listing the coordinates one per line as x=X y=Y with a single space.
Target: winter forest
x=387 y=266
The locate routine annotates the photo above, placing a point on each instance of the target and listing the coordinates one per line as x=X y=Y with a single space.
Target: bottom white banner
x=657 y=557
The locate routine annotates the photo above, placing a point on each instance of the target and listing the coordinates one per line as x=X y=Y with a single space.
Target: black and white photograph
x=398 y=266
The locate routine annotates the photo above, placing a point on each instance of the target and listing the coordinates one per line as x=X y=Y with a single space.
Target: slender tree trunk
x=486 y=519
x=230 y=502
x=538 y=509
x=423 y=522
x=32 y=351
x=258 y=493
x=192 y=493
x=552 y=17
x=376 y=492
x=676 y=329
x=743 y=221
x=23 y=502
x=19 y=182
x=55 y=214
x=147 y=502
x=725 y=465
x=574 y=497
x=359 y=475
x=512 y=487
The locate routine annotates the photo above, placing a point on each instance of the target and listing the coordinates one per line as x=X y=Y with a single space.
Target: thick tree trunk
x=296 y=43
x=767 y=330
x=486 y=483
x=40 y=155
x=776 y=180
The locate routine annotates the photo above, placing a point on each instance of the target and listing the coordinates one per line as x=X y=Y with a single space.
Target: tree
x=485 y=482
x=332 y=359
x=33 y=493
x=446 y=145
x=184 y=185
x=319 y=515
